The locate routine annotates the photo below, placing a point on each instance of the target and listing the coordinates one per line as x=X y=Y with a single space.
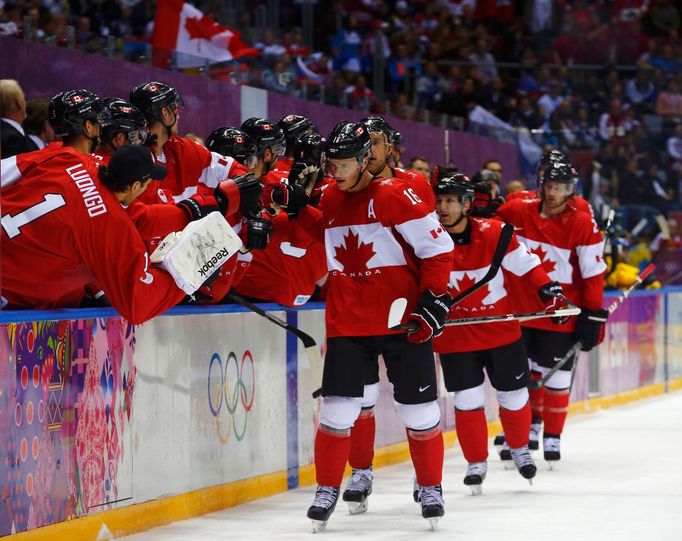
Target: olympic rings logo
x=231 y=390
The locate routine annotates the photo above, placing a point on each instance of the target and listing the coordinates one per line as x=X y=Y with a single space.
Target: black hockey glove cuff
x=258 y=233
x=590 y=327
x=430 y=314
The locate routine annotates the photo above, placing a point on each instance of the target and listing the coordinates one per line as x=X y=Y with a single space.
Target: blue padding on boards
x=292 y=403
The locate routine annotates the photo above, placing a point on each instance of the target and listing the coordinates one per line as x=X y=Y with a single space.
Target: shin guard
x=472 y=434
x=332 y=448
x=516 y=425
x=362 y=440
x=426 y=450
x=556 y=410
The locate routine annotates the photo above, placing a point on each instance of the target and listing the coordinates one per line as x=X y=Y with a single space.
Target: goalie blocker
x=192 y=255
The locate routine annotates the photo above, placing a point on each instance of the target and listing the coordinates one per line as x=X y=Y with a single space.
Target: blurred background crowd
x=600 y=80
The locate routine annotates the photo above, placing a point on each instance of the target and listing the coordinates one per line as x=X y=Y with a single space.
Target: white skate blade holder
x=319 y=525
x=433 y=523
x=357 y=508
x=193 y=254
x=476 y=490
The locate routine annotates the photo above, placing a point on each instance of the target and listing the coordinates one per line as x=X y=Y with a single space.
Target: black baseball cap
x=134 y=162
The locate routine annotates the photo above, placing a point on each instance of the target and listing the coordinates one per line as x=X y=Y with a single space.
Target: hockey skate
x=552 y=447
x=323 y=506
x=534 y=436
x=499 y=441
x=433 y=506
x=524 y=463
x=475 y=476
x=359 y=487
x=505 y=457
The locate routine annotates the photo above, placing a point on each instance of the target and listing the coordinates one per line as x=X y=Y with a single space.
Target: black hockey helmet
x=550 y=157
x=398 y=141
x=124 y=117
x=265 y=134
x=559 y=172
x=347 y=140
x=234 y=143
x=441 y=171
x=151 y=97
x=308 y=148
x=68 y=111
x=377 y=125
x=294 y=126
x=457 y=184
x=485 y=175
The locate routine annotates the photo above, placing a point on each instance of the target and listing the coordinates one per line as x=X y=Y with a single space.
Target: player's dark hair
x=116 y=185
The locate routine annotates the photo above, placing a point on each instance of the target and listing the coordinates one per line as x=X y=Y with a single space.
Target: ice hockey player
x=191 y=167
x=65 y=224
x=381 y=241
x=465 y=351
x=569 y=244
x=293 y=127
x=383 y=136
x=289 y=269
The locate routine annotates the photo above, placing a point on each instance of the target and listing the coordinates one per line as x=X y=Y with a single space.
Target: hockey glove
x=430 y=314
x=241 y=193
x=590 y=327
x=291 y=198
x=304 y=175
x=551 y=294
x=258 y=233
x=198 y=206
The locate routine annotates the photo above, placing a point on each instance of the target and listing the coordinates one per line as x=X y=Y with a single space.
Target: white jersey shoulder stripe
x=520 y=261
x=427 y=236
x=10 y=172
x=591 y=260
x=217 y=171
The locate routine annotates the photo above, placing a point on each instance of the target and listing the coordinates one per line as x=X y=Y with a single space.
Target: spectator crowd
x=599 y=79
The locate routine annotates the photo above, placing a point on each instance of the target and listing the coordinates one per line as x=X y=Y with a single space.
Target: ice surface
x=620 y=478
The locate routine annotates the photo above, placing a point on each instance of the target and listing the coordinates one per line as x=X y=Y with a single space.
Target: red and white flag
x=180 y=27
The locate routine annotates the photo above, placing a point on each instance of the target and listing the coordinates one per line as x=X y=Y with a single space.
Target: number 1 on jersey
x=13 y=224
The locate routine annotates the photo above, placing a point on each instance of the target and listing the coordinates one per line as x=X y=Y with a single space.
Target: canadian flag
x=180 y=27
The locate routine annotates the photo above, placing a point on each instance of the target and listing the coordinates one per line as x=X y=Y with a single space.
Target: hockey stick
x=395 y=313
x=525 y=316
x=312 y=350
x=576 y=347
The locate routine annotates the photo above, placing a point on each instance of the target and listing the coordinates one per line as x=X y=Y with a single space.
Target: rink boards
x=207 y=407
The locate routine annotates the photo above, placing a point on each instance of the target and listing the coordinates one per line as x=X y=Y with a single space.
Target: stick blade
x=396 y=312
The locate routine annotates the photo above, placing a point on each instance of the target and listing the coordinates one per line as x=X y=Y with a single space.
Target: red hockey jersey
x=471 y=263
x=419 y=183
x=62 y=230
x=382 y=243
x=287 y=270
x=191 y=169
x=570 y=248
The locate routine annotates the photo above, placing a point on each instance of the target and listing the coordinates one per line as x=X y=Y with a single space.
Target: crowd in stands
x=601 y=78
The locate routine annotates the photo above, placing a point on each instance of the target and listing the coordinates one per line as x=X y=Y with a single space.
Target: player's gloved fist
x=199 y=206
x=303 y=174
x=241 y=193
x=430 y=314
x=290 y=197
x=590 y=327
x=258 y=233
x=553 y=296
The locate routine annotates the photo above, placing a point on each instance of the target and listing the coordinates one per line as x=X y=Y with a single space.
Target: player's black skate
x=475 y=476
x=499 y=440
x=534 y=436
x=433 y=505
x=524 y=463
x=551 y=444
x=323 y=506
x=505 y=456
x=359 y=487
